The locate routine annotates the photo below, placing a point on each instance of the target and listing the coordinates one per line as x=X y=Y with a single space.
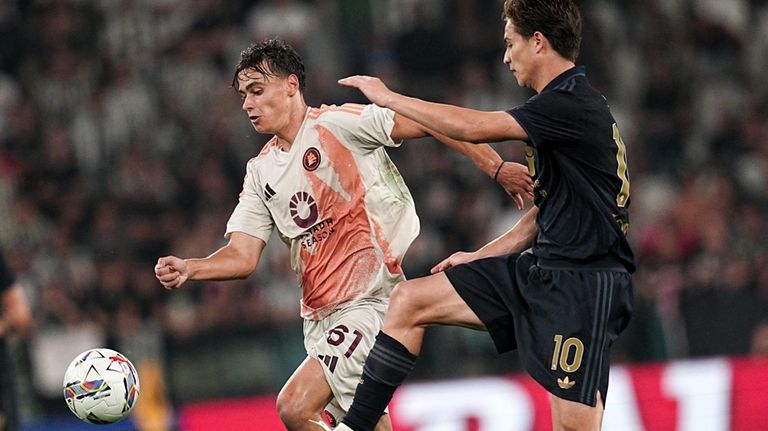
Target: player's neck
x=287 y=134
x=551 y=70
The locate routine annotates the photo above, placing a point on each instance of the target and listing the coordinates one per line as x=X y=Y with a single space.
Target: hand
x=457 y=258
x=171 y=271
x=371 y=87
x=516 y=181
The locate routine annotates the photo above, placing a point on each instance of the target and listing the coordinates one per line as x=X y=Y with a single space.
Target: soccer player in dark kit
x=563 y=303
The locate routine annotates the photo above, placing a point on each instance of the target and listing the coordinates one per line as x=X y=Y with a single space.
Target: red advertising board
x=714 y=394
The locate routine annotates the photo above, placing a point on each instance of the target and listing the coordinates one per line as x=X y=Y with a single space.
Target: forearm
x=482 y=155
x=515 y=240
x=459 y=123
x=225 y=263
x=456 y=122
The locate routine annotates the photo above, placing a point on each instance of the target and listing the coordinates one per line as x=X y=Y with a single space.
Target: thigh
x=430 y=300
x=571 y=415
x=307 y=387
x=489 y=288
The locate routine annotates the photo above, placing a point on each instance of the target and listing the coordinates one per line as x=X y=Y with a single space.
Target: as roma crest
x=311 y=159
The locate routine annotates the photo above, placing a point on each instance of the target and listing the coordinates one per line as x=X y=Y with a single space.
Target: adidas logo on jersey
x=268 y=192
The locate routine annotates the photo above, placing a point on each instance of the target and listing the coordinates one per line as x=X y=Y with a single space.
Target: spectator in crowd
x=15 y=320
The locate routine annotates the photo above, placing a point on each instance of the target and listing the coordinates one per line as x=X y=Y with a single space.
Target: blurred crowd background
x=122 y=141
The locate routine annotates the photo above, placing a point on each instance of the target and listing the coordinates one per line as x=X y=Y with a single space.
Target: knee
x=290 y=409
x=285 y=405
x=404 y=303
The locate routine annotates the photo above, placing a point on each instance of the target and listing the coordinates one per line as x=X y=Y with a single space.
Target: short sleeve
x=549 y=119
x=373 y=128
x=251 y=215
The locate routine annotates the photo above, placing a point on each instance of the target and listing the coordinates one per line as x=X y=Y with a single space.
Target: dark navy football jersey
x=579 y=164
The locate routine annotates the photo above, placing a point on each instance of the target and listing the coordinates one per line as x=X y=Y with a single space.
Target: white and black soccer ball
x=101 y=386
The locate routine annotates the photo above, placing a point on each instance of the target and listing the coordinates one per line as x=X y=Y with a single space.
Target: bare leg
x=306 y=393
x=416 y=304
x=384 y=424
x=573 y=416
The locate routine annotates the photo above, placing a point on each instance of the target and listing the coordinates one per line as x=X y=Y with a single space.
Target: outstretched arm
x=236 y=260
x=456 y=122
x=513 y=177
x=515 y=240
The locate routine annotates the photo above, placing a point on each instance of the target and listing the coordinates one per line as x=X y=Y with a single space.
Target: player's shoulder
x=336 y=112
x=569 y=96
x=575 y=91
x=549 y=103
x=344 y=108
x=264 y=155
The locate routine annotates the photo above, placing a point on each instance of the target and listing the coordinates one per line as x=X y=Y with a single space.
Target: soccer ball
x=101 y=386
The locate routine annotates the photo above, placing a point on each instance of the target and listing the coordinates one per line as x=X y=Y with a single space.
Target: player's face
x=519 y=55
x=265 y=100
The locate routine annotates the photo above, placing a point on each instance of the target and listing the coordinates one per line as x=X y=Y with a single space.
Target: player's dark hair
x=273 y=57
x=558 y=20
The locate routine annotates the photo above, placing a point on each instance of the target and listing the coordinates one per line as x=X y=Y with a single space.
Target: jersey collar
x=570 y=73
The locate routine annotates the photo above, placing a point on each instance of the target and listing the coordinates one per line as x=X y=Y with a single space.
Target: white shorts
x=341 y=342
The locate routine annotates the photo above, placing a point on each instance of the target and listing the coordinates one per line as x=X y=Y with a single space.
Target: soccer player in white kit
x=325 y=182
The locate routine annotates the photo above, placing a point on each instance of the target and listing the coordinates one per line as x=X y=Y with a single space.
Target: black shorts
x=562 y=318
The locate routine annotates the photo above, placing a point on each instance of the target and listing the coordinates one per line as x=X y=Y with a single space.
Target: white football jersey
x=337 y=201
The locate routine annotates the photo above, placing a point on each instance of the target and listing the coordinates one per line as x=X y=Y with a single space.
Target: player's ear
x=539 y=40
x=293 y=84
